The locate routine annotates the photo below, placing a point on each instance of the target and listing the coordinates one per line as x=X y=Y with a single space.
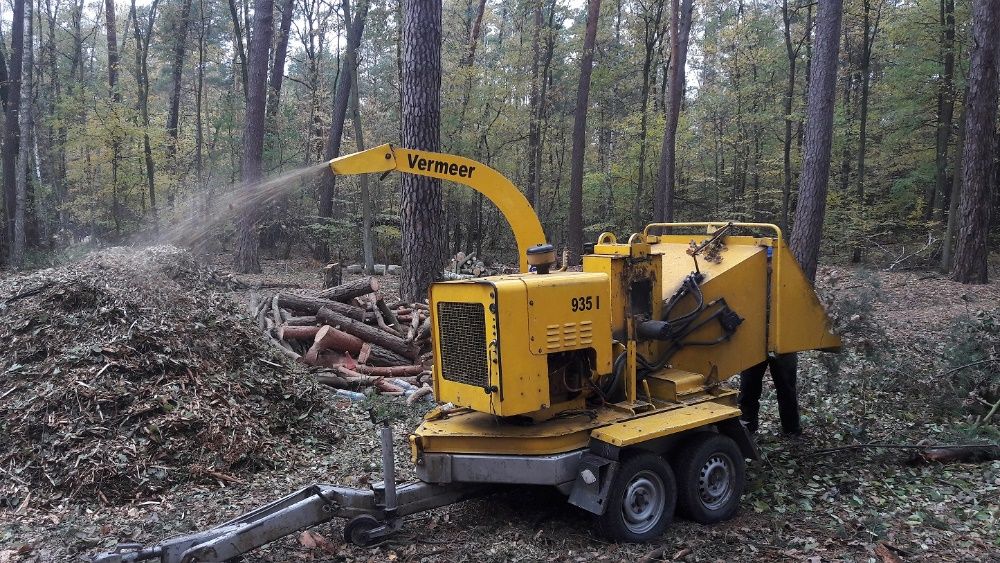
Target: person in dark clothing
x=783 y=371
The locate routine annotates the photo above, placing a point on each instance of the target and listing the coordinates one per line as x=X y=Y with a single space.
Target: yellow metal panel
x=798 y=321
x=671 y=384
x=481 y=433
x=451 y=391
x=485 y=180
x=570 y=311
x=524 y=381
x=740 y=278
x=638 y=430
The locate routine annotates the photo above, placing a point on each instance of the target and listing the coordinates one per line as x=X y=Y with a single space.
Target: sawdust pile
x=132 y=370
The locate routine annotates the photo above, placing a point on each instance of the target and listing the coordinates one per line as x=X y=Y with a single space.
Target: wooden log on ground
x=368 y=333
x=301 y=321
x=329 y=338
x=312 y=305
x=347 y=291
x=383 y=357
x=295 y=332
x=391 y=371
x=387 y=314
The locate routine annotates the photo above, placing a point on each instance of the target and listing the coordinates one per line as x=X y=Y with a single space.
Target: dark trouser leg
x=783 y=372
x=751 y=381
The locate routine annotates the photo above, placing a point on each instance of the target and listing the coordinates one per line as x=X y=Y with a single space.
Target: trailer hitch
x=373 y=514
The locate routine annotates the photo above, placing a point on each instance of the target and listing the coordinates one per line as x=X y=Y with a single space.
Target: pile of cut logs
x=463 y=266
x=353 y=338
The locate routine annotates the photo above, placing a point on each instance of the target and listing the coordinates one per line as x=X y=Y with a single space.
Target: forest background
x=138 y=111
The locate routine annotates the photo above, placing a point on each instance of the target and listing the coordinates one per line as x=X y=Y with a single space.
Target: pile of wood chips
x=129 y=371
x=352 y=338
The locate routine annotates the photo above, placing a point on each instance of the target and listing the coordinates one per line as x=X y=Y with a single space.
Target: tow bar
x=374 y=514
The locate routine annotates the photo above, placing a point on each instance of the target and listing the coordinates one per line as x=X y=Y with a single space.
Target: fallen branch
x=927 y=452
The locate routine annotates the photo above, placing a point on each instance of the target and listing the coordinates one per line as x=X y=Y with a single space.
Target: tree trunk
x=12 y=131
x=367 y=206
x=280 y=54
x=811 y=208
x=980 y=146
x=680 y=28
x=23 y=154
x=793 y=55
x=239 y=46
x=115 y=93
x=177 y=69
x=421 y=207
x=574 y=230
x=948 y=244
x=651 y=37
x=534 y=100
x=870 y=31
x=945 y=116
x=328 y=182
x=247 y=260
x=142 y=103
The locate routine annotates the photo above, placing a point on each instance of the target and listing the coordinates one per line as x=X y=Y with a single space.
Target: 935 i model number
x=585 y=303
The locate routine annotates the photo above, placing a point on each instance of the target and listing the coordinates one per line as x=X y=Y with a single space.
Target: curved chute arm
x=493 y=185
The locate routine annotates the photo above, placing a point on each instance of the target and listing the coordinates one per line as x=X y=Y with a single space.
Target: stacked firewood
x=353 y=338
x=464 y=266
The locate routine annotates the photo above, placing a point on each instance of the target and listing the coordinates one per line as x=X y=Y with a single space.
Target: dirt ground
x=894 y=385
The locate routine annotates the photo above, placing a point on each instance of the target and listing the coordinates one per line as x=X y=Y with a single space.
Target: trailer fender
x=593 y=482
x=738 y=432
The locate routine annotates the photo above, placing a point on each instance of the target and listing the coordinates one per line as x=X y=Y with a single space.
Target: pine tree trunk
x=421 y=210
x=176 y=72
x=534 y=100
x=240 y=48
x=793 y=55
x=142 y=103
x=948 y=244
x=680 y=28
x=945 y=116
x=280 y=54
x=650 y=38
x=870 y=32
x=23 y=154
x=811 y=208
x=11 y=129
x=980 y=146
x=328 y=182
x=574 y=230
x=115 y=94
x=247 y=259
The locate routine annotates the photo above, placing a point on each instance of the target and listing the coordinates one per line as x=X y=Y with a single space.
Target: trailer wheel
x=356 y=530
x=710 y=475
x=641 y=501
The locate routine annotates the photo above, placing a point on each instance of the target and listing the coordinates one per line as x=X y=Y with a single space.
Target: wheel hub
x=643 y=502
x=716 y=481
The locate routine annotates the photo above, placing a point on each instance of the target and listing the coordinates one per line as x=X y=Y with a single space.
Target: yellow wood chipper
x=604 y=383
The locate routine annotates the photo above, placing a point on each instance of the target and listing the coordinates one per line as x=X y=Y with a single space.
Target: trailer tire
x=710 y=476
x=356 y=530
x=641 y=501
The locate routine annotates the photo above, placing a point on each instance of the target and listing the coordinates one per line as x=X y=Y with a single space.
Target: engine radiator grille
x=462 y=328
